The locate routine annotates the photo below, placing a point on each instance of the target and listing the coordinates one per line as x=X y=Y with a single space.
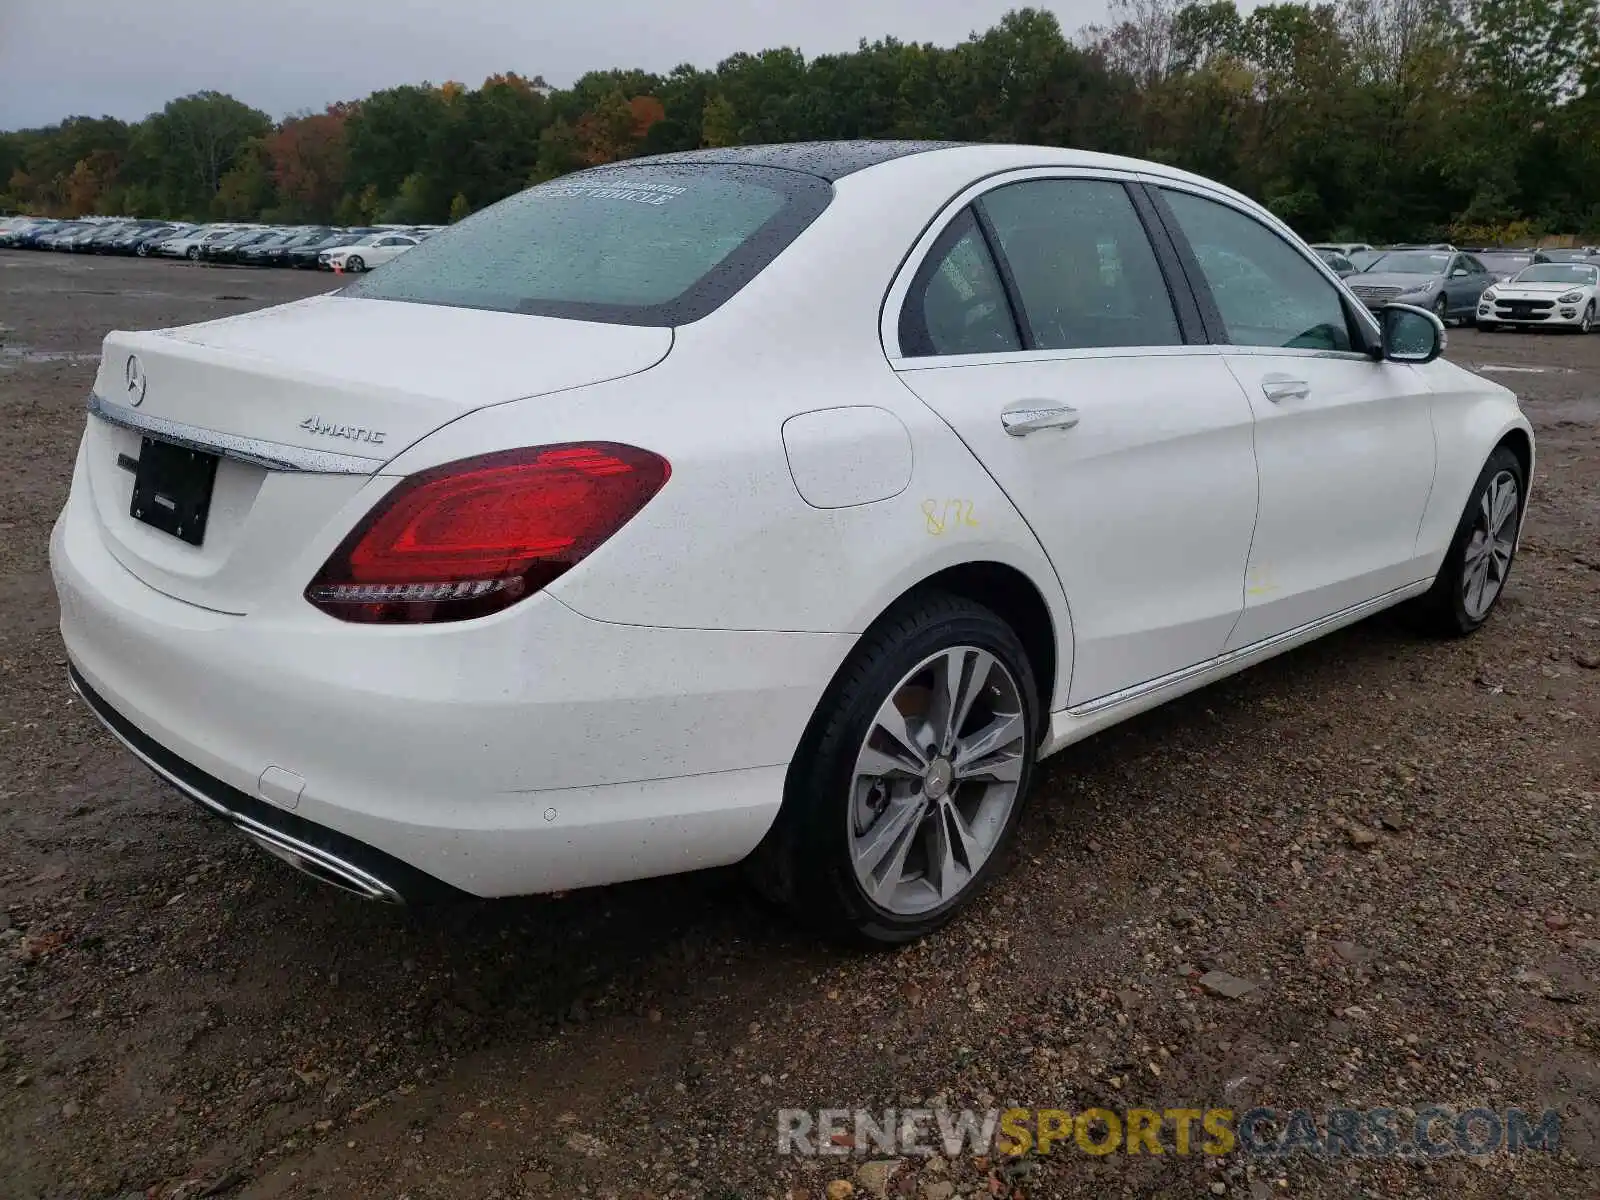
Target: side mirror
x=1411 y=334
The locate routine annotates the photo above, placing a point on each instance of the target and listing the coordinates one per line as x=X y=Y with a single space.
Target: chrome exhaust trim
x=267 y=827
x=318 y=864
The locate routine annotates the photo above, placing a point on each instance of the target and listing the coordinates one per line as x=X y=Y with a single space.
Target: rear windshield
x=636 y=245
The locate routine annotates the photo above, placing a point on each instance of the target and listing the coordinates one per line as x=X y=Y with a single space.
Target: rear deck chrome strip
x=258 y=452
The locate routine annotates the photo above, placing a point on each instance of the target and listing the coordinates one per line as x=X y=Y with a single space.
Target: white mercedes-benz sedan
x=780 y=505
x=371 y=251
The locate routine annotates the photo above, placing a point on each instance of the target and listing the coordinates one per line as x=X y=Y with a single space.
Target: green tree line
x=1358 y=118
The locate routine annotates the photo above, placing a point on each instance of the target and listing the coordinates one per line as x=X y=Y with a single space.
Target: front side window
x=1085 y=273
x=649 y=244
x=957 y=303
x=1266 y=292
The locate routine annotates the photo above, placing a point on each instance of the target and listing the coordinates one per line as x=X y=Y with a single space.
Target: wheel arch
x=1017 y=600
x=1520 y=444
x=1008 y=591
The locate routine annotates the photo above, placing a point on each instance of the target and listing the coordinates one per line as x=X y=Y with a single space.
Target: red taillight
x=471 y=537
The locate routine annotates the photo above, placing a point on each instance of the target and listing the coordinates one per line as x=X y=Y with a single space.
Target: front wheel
x=1476 y=566
x=1441 y=308
x=1587 y=321
x=354 y=263
x=194 y=253
x=905 y=793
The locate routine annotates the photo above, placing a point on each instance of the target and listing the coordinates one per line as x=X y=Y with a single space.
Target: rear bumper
x=318 y=851
x=532 y=751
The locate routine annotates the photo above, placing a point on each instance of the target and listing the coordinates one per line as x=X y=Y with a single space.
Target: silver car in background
x=1446 y=282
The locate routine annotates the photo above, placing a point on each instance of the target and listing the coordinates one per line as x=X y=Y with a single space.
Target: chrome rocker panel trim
x=1262 y=648
x=1069 y=725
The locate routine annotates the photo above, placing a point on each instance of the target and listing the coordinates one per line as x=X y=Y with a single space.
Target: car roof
x=826 y=160
x=934 y=164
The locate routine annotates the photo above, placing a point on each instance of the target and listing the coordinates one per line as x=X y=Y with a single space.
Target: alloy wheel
x=1491 y=545
x=936 y=779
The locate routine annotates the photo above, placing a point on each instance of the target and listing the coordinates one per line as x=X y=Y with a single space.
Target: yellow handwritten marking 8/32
x=942 y=515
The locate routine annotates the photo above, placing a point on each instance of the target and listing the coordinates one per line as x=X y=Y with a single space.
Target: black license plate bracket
x=172 y=489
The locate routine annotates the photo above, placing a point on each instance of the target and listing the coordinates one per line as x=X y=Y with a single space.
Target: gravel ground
x=1393 y=840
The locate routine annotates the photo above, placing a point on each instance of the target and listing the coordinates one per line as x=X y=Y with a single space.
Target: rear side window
x=639 y=245
x=957 y=303
x=1085 y=273
x=1266 y=291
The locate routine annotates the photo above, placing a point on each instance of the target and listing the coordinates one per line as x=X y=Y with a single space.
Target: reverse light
x=472 y=537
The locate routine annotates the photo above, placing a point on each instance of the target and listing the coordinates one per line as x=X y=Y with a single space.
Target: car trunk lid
x=302 y=404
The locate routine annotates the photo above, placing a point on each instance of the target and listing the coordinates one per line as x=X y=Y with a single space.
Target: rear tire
x=927 y=833
x=1478 y=563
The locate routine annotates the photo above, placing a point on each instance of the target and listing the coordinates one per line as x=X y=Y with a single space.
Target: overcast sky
x=127 y=58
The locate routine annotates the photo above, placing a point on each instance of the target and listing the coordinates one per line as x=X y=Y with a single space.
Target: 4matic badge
x=355 y=433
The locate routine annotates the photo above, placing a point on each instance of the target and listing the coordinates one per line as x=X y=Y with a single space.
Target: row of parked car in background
x=305 y=246
x=1487 y=286
x=1490 y=286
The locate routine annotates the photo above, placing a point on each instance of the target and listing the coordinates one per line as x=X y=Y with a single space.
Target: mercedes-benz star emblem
x=135 y=377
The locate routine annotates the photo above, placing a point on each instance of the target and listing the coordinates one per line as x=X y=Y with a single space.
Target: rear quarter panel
x=730 y=543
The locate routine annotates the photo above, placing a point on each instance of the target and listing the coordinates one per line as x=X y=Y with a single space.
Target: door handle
x=1028 y=416
x=1278 y=388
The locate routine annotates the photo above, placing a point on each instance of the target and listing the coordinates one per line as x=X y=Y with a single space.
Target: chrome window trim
x=1071 y=354
x=1296 y=352
x=257 y=452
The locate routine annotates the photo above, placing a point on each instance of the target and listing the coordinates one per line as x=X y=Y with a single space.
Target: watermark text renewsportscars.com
x=1427 y=1131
